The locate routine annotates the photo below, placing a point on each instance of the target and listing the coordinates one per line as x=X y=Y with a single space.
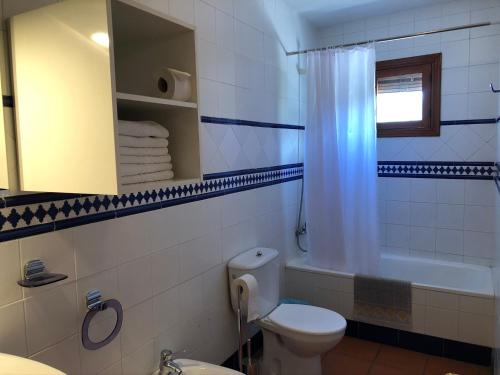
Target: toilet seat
x=308 y=320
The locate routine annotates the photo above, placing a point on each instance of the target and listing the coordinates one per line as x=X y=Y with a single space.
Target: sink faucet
x=167 y=364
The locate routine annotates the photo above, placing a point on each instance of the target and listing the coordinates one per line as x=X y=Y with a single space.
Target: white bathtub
x=450 y=300
x=439 y=275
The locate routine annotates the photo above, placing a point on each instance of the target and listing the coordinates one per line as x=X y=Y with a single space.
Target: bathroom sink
x=192 y=367
x=11 y=364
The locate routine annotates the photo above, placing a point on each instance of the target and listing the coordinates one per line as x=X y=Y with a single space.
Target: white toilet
x=295 y=336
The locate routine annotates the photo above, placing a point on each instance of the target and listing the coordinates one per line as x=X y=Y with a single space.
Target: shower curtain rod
x=382 y=40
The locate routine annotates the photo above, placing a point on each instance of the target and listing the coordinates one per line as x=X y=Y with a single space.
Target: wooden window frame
x=430 y=67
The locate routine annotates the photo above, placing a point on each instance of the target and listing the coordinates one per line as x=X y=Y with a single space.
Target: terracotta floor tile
x=441 y=366
x=335 y=363
x=357 y=348
x=411 y=362
x=386 y=370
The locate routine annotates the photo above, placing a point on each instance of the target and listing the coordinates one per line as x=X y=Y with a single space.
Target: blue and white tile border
x=29 y=215
x=439 y=169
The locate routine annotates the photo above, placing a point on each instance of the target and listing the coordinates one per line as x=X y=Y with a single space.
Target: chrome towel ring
x=95 y=305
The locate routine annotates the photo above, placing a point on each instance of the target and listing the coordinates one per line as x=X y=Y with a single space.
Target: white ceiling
x=325 y=13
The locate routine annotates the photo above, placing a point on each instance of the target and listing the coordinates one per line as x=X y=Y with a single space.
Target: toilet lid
x=307 y=319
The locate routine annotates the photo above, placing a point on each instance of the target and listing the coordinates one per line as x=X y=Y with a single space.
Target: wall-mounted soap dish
x=35 y=275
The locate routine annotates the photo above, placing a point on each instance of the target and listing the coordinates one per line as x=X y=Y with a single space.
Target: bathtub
x=439 y=275
x=449 y=299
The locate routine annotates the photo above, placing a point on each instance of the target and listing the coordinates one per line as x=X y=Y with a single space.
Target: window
x=409 y=96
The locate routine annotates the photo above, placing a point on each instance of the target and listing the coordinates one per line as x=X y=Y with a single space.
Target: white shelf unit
x=141 y=102
x=68 y=104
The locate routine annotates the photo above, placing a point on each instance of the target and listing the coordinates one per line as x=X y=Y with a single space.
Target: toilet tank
x=263 y=264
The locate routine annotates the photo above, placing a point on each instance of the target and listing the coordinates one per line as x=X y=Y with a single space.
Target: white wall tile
x=479 y=218
x=477 y=305
x=451 y=191
x=238 y=238
x=56 y=250
x=398 y=212
x=422 y=238
x=476 y=328
x=423 y=190
x=450 y=241
x=482 y=50
x=199 y=255
x=12 y=326
x=115 y=369
x=135 y=281
x=480 y=193
x=456 y=54
x=94 y=248
x=207 y=60
x=137 y=242
x=441 y=322
x=50 y=317
x=159 y=5
x=166 y=310
x=137 y=327
x=455 y=81
x=223 y=5
x=141 y=361
x=480 y=76
x=165 y=269
x=398 y=235
x=204 y=16
x=450 y=216
x=182 y=9
x=479 y=244
x=442 y=300
x=423 y=214
x=10 y=272
x=63 y=356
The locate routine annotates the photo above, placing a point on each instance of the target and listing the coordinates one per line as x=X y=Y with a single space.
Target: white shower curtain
x=341 y=160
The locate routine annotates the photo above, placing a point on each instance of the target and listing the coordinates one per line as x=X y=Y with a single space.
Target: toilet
x=295 y=336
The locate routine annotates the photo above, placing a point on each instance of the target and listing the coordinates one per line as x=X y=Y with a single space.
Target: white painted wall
x=167 y=267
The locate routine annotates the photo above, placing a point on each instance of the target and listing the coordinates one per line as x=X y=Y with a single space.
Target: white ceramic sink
x=191 y=367
x=12 y=365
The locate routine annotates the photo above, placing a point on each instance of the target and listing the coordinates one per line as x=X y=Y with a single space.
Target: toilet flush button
x=259 y=253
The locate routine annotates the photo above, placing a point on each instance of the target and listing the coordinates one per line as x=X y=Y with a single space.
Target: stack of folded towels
x=144 y=157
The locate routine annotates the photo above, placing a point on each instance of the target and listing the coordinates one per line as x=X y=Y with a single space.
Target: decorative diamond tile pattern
x=453 y=170
x=14 y=219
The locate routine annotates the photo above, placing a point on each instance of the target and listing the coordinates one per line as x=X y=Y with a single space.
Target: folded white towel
x=143 y=151
x=142 y=129
x=147 y=177
x=128 y=141
x=127 y=159
x=136 y=169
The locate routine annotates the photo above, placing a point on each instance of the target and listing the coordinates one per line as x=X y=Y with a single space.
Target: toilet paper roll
x=249 y=302
x=173 y=84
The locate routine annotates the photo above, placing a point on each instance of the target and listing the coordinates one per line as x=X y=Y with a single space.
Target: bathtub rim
x=299 y=264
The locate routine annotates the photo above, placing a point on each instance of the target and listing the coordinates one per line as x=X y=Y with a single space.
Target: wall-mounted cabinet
x=8 y=157
x=79 y=66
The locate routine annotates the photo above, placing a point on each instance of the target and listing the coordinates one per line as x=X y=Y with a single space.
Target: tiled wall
x=441 y=218
x=496 y=268
x=445 y=314
x=167 y=266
